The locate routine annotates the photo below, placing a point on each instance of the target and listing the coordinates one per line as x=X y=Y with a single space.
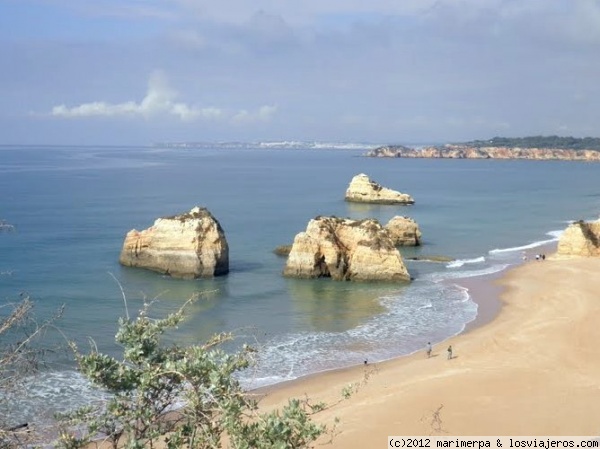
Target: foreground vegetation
x=554 y=142
x=21 y=355
x=161 y=395
x=180 y=397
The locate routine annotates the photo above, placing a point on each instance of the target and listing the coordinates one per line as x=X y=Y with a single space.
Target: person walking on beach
x=429 y=349
x=449 y=352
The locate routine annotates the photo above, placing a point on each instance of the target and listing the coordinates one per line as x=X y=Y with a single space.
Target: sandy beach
x=533 y=369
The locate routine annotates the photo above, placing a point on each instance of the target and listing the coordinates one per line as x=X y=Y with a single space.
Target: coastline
x=488 y=150
x=484 y=290
x=528 y=370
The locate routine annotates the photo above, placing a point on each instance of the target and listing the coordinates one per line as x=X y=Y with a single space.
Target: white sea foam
x=460 y=262
x=464 y=291
x=594 y=218
x=47 y=393
x=554 y=234
x=440 y=277
x=432 y=312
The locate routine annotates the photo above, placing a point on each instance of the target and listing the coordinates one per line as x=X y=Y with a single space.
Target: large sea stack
x=581 y=238
x=363 y=190
x=189 y=245
x=345 y=249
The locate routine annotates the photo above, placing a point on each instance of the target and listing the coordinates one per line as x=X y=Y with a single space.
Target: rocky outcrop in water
x=344 y=249
x=189 y=245
x=5 y=226
x=580 y=239
x=404 y=231
x=436 y=259
x=470 y=152
x=282 y=250
x=363 y=190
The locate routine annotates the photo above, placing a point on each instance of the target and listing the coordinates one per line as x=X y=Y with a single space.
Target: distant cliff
x=561 y=142
x=475 y=152
x=581 y=238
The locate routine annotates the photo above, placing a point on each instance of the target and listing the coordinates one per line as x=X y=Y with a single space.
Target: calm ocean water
x=71 y=208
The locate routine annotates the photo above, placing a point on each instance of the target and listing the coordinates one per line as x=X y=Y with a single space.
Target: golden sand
x=533 y=370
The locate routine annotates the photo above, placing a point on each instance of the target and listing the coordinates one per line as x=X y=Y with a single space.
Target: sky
x=136 y=72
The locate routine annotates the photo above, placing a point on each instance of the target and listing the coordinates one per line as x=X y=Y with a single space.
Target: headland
x=530 y=148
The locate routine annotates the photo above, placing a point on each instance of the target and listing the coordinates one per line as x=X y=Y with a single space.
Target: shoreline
x=484 y=290
x=487 y=310
x=490 y=306
x=531 y=370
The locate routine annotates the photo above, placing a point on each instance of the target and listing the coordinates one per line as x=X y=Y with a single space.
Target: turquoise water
x=72 y=207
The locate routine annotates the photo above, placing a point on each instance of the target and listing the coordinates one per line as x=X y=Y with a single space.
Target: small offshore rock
x=363 y=190
x=404 y=231
x=439 y=259
x=283 y=250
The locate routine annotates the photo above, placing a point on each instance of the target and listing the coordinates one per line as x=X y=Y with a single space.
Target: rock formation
x=363 y=190
x=189 y=245
x=437 y=259
x=5 y=226
x=282 y=250
x=345 y=249
x=470 y=152
x=404 y=231
x=580 y=239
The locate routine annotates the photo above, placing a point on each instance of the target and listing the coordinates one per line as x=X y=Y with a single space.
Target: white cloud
x=418 y=70
x=129 y=9
x=96 y=108
x=262 y=114
x=236 y=11
x=160 y=100
x=584 y=24
x=239 y=11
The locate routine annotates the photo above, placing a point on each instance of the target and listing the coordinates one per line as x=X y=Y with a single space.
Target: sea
x=69 y=209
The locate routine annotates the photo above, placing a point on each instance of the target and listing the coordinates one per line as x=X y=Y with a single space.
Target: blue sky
x=389 y=71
